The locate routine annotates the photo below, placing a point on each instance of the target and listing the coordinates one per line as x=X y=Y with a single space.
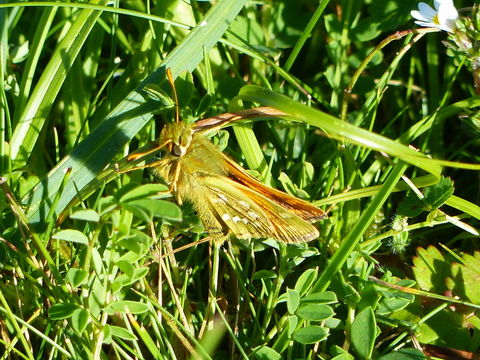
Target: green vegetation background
x=394 y=274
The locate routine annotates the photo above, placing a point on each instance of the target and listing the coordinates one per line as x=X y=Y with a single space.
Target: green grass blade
x=355 y=235
x=32 y=61
x=338 y=129
x=34 y=116
x=306 y=34
x=3 y=74
x=464 y=205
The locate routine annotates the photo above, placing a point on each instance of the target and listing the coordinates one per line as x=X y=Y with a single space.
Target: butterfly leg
x=176 y=175
x=136 y=156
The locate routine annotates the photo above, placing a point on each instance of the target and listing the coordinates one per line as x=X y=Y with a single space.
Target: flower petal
x=426 y=10
x=426 y=24
x=418 y=15
x=447 y=14
x=438 y=3
x=447 y=24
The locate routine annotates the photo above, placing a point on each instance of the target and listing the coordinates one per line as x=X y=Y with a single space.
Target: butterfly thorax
x=188 y=158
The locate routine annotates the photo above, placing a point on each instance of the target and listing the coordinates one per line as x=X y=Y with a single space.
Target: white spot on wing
x=285 y=215
x=244 y=204
x=245 y=220
x=203 y=23
x=221 y=199
x=236 y=219
x=226 y=217
x=253 y=215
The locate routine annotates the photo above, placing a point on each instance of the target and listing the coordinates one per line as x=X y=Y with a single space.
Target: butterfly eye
x=178 y=150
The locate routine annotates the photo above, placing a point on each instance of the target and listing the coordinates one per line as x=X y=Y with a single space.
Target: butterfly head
x=177 y=137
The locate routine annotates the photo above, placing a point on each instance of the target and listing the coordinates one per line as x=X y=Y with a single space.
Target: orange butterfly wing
x=299 y=207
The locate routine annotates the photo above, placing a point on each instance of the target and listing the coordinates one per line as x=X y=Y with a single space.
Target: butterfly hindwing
x=299 y=207
x=247 y=214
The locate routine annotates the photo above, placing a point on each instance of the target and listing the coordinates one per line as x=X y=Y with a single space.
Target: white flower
x=442 y=17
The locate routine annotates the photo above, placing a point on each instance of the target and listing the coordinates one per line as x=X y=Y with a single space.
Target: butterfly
x=229 y=201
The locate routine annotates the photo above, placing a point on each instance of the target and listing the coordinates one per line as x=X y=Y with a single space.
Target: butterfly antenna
x=189 y=245
x=138 y=155
x=175 y=97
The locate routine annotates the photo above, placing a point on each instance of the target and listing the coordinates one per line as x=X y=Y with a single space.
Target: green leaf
x=61 y=311
x=148 y=209
x=107 y=334
x=290 y=187
x=298 y=253
x=266 y=353
x=292 y=324
x=366 y=30
x=122 y=333
x=431 y=269
x=80 y=319
x=106 y=205
x=131 y=257
x=404 y=354
x=368 y=297
x=333 y=323
x=86 y=215
x=156 y=93
x=389 y=306
x=306 y=280
x=293 y=299
x=97 y=297
x=245 y=30
x=138 y=242
x=325 y=297
x=77 y=277
x=364 y=332
x=340 y=354
x=126 y=306
x=204 y=105
x=410 y=206
x=445 y=327
x=97 y=261
x=315 y=312
x=389 y=14
x=466 y=277
x=345 y=356
x=140 y=273
x=19 y=53
x=127 y=268
x=119 y=283
x=145 y=191
x=436 y=195
x=264 y=274
x=71 y=236
x=310 y=334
